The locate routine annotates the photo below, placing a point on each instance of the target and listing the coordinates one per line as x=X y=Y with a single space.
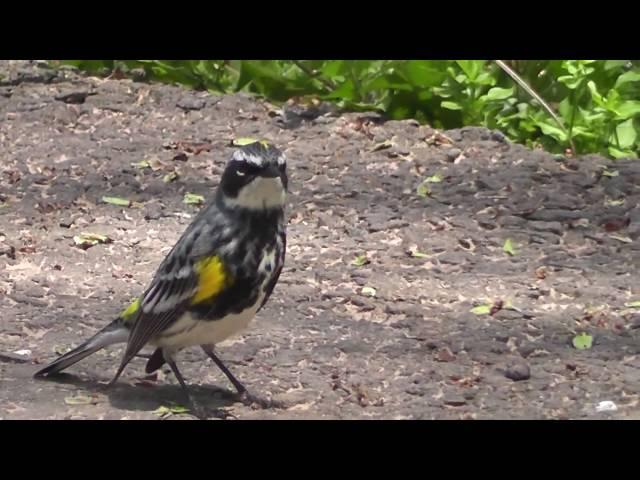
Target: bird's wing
x=162 y=304
x=181 y=281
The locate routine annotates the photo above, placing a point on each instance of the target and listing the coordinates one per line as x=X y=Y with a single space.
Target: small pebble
x=445 y=355
x=498 y=136
x=454 y=400
x=606 y=406
x=499 y=348
x=517 y=371
x=190 y=103
x=527 y=349
x=469 y=394
x=453 y=153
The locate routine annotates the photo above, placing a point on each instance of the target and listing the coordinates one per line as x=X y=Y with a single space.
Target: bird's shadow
x=149 y=396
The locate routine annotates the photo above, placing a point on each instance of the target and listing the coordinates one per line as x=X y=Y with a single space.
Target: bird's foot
x=203 y=413
x=256 y=402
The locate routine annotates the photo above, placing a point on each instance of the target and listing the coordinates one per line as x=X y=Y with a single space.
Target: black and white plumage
x=220 y=273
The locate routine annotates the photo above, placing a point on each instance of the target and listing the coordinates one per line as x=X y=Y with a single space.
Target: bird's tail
x=115 y=332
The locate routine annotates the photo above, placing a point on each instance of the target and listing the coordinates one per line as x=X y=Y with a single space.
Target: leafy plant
x=585 y=106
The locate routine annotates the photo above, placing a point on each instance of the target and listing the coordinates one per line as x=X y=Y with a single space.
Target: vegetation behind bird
x=597 y=102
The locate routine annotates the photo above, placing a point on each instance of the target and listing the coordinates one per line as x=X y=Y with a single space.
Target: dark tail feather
x=67 y=360
x=155 y=361
x=115 y=332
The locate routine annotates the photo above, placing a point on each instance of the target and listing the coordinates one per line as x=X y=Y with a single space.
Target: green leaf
x=570 y=81
x=193 y=199
x=121 y=202
x=628 y=109
x=597 y=98
x=611 y=64
x=565 y=108
x=79 y=400
x=383 y=83
x=62 y=349
x=610 y=173
x=369 y=291
x=267 y=76
x=508 y=305
x=626 y=134
x=86 y=240
x=345 y=91
x=497 y=93
x=579 y=131
x=333 y=68
x=471 y=68
x=634 y=304
x=484 y=309
x=616 y=153
x=508 y=247
x=613 y=203
x=485 y=78
x=423 y=74
x=423 y=190
x=582 y=341
x=437 y=178
x=413 y=251
x=142 y=164
x=627 y=77
x=360 y=260
x=165 y=412
x=170 y=177
x=553 y=131
x=450 y=105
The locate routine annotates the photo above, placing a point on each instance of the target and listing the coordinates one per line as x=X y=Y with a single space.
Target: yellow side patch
x=212 y=278
x=131 y=310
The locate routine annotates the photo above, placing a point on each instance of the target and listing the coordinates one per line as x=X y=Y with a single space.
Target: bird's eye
x=241 y=172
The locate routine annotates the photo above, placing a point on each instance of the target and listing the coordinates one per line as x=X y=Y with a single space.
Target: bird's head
x=255 y=178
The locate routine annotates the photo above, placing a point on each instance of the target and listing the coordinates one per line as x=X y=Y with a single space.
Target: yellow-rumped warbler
x=219 y=274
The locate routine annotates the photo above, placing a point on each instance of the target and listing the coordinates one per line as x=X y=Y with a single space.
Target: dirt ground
x=372 y=317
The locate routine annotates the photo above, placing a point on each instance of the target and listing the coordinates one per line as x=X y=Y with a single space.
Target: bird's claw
x=255 y=402
x=202 y=412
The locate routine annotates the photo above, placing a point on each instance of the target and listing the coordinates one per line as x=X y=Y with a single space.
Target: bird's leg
x=208 y=349
x=197 y=409
x=117 y=375
x=245 y=397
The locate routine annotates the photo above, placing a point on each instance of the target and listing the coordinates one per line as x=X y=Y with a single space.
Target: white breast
x=201 y=332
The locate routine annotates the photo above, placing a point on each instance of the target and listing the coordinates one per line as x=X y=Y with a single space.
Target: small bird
x=220 y=273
